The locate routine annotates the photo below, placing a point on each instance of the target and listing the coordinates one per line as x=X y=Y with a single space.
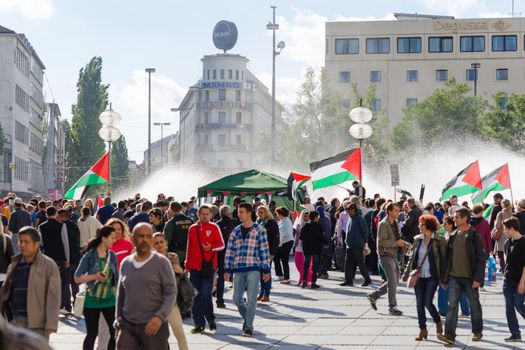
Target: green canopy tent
x=248 y=184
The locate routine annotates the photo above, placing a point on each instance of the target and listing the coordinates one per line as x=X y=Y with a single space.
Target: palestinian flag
x=97 y=175
x=296 y=181
x=497 y=180
x=345 y=166
x=467 y=181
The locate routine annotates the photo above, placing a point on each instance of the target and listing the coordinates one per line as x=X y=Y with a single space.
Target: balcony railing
x=217 y=126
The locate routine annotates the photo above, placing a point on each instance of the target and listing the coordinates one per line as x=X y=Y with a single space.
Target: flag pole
x=511 y=194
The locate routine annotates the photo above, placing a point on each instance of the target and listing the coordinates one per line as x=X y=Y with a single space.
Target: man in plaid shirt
x=247 y=255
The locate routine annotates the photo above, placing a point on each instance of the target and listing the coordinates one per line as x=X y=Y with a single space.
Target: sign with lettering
x=220 y=105
x=220 y=85
x=224 y=35
x=394 y=175
x=458 y=26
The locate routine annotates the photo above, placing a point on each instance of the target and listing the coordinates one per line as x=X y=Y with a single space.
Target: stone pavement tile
x=360 y=330
x=324 y=322
x=331 y=340
x=294 y=347
x=344 y=347
x=372 y=322
x=244 y=346
x=308 y=330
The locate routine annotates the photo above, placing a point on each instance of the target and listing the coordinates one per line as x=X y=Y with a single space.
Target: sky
x=173 y=35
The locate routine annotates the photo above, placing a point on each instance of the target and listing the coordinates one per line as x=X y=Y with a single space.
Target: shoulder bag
x=206 y=266
x=416 y=273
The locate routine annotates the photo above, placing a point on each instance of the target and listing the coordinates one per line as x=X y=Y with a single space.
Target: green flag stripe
x=481 y=195
x=86 y=180
x=332 y=180
x=458 y=191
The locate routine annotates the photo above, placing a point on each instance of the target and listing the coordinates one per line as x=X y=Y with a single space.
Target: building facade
x=408 y=58
x=54 y=141
x=162 y=152
x=225 y=118
x=21 y=115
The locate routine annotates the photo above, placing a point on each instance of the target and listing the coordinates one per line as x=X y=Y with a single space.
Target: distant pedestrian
x=19 y=218
x=226 y=225
x=282 y=256
x=266 y=219
x=88 y=227
x=104 y=213
x=312 y=240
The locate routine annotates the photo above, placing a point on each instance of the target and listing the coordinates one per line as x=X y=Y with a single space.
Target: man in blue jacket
x=356 y=239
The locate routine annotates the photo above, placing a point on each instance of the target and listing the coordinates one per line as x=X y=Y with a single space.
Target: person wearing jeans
x=282 y=267
x=312 y=239
x=514 y=277
x=247 y=255
x=266 y=220
x=464 y=272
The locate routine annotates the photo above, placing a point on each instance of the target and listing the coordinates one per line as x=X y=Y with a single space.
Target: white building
x=21 y=114
x=55 y=150
x=410 y=57
x=162 y=152
x=225 y=118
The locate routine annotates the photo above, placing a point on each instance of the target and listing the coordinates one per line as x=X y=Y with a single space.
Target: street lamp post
x=361 y=130
x=475 y=66
x=149 y=71
x=273 y=27
x=109 y=133
x=161 y=140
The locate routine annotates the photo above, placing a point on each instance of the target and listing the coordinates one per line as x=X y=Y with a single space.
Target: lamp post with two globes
x=109 y=133
x=361 y=130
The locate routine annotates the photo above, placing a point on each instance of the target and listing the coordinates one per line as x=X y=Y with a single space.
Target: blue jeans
x=248 y=281
x=220 y=282
x=513 y=303
x=266 y=287
x=456 y=286
x=306 y=267
x=443 y=302
x=202 y=304
x=425 y=290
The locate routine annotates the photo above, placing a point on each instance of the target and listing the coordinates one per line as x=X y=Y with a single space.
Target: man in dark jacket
x=326 y=255
x=356 y=239
x=176 y=231
x=312 y=238
x=464 y=272
x=497 y=208
x=411 y=227
x=73 y=236
x=19 y=218
x=226 y=224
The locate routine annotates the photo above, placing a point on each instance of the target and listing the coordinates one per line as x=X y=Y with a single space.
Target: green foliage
x=2 y=139
x=85 y=146
x=449 y=112
x=119 y=163
x=506 y=124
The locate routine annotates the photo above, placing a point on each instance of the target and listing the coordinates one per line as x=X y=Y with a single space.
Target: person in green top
x=98 y=269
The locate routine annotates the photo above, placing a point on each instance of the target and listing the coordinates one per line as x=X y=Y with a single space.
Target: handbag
x=186 y=294
x=78 y=306
x=416 y=273
x=206 y=266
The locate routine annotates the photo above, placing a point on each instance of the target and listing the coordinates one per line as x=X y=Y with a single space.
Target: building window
x=344 y=77
x=242 y=75
x=376 y=104
x=440 y=44
x=21 y=132
x=222 y=117
x=236 y=74
x=471 y=74
x=222 y=73
x=21 y=98
x=410 y=101
x=238 y=117
x=504 y=43
x=502 y=74
x=206 y=117
x=441 y=74
x=222 y=94
x=206 y=95
x=214 y=74
x=344 y=103
x=346 y=46
x=412 y=75
x=230 y=74
x=208 y=74
x=222 y=139
x=377 y=45
x=502 y=102
x=472 y=44
x=238 y=139
x=409 y=45
x=237 y=95
x=376 y=76
x=206 y=139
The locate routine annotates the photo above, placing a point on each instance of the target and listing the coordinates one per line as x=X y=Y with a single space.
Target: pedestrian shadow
x=290 y=295
x=314 y=311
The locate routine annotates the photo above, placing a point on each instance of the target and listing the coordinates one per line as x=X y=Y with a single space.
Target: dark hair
x=313 y=215
x=429 y=206
x=175 y=206
x=247 y=206
x=63 y=212
x=478 y=208
x=380 y=202
x=86 y=211
x=160 y=234
x=147 y=206
x=121 y=204
x=51 y=211
x=42 y=205
x=449 y=220
x=31 y=232
x=512 y=222
x=204 y=206
x=102 y=232
x=464 y=213
x=430 y=222
x=282 y=211
x=498 y=195
x=390 y=207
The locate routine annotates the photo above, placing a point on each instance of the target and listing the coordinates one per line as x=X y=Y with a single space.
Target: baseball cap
x=19 y=200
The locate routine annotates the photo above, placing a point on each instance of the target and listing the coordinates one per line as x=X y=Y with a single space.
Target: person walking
x=300 y=222
x=388 y=244
x=428 y=259
x=464 y=272
x=88 y=227
x=104 y=213
x=266 y=220
x=481 y=225
x=312 y=239
x=176 y=231
x=6 y=254
x=73 y=236
x=356 y=240
x=146 y=295
x=325 y=263
x=31 y=292
x=247 y=255
x=282 y=257
x=122 y=247
x=514 y=277
x=175 y=318
x=497 y=232
x=226 y=225
x=18 y=219
x=99 y=270
x=204 y=241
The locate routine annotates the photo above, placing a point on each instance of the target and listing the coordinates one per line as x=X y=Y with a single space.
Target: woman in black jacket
x=312 y=238
x=266 y=220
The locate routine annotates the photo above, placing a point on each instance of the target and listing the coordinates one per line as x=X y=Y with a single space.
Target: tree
x=447 y=113
x=119 y=163
x=86 y=147
x=505 y=122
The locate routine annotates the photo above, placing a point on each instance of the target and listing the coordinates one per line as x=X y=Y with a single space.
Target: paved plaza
x=331 y=317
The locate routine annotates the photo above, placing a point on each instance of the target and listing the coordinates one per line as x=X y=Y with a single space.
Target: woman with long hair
x=266 y=220
x=175 y=318
x=298 y=247
x=122 y=246
x=282 y=267
x=98 y=269
x=429 y=258
x=497 y=232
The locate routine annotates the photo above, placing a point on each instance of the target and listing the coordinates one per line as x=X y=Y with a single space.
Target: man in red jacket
x=204 y=241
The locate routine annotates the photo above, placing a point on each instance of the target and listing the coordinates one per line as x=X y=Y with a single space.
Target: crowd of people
x=144 y=265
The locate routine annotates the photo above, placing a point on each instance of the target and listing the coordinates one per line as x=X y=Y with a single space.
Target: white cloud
x=463 y=8
x=130 y=100
x=285 y=87
x=30 y=9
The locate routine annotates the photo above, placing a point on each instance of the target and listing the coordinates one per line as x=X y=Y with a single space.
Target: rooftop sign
x=224 y=35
